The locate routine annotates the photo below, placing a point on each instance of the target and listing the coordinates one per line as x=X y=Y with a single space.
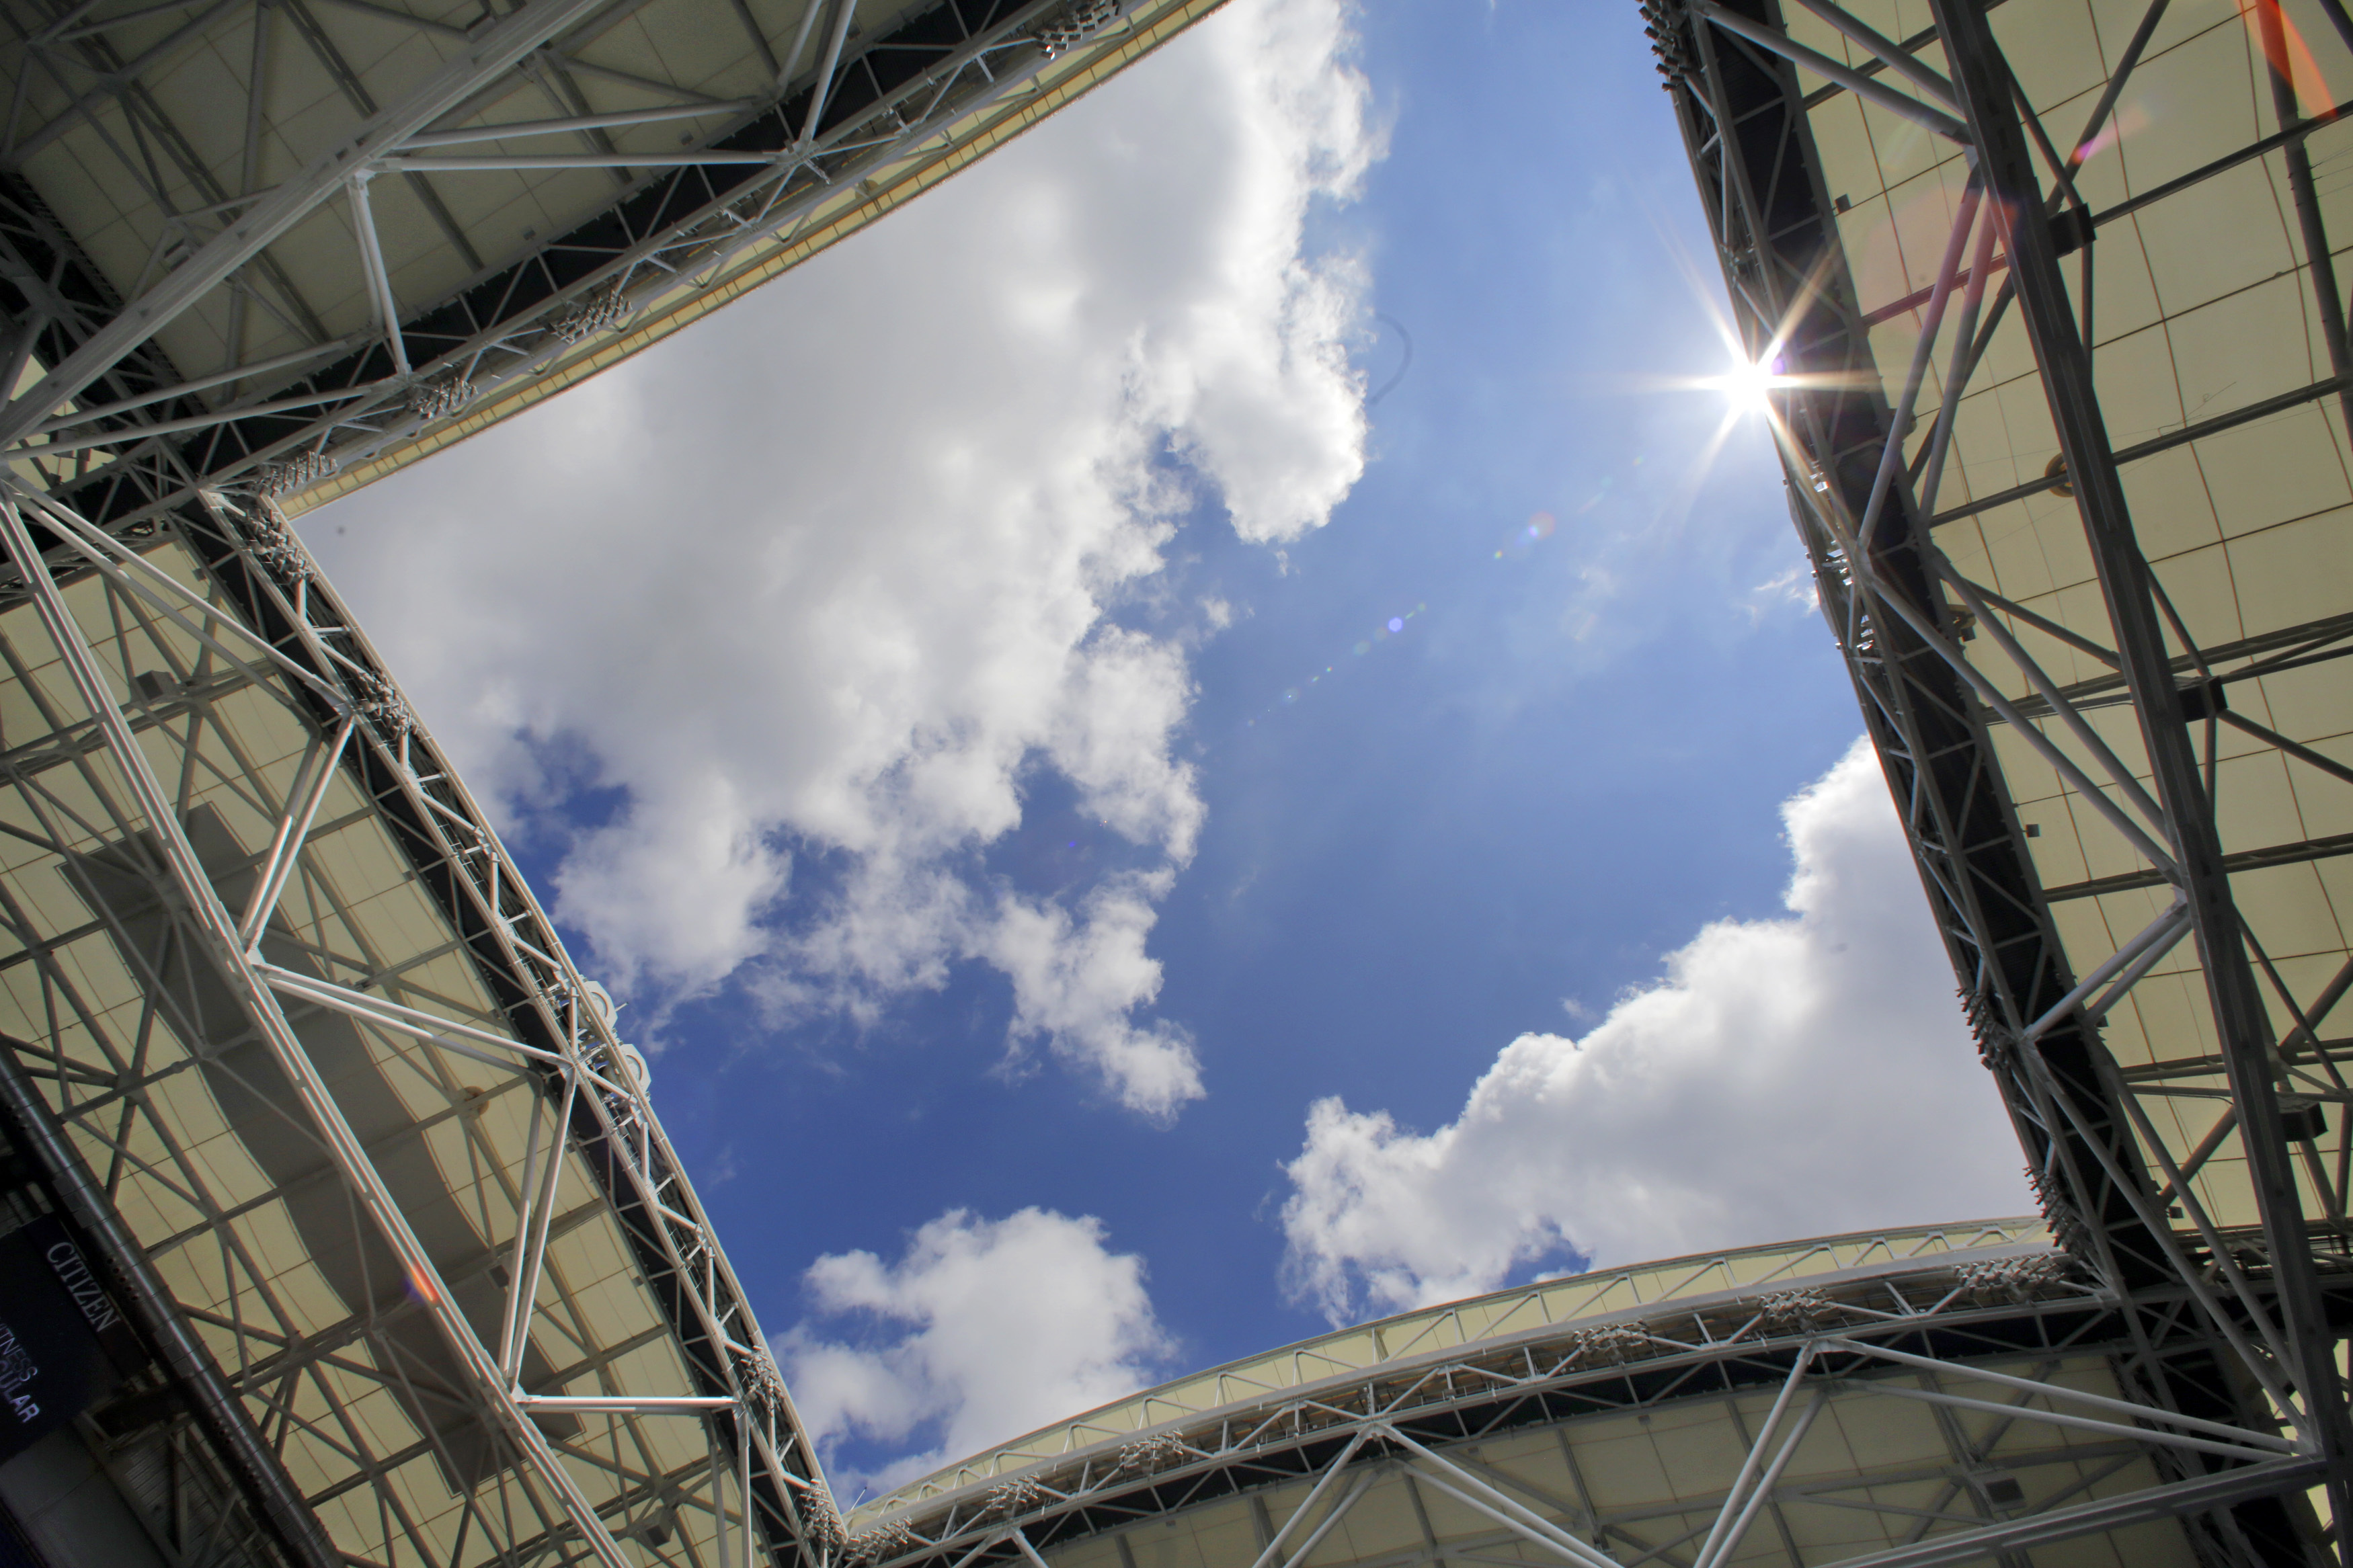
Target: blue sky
x=1085 y=808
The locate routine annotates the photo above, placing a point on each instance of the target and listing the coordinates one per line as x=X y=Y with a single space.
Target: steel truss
x=1945 y=668
x=1981 y=1335
x=852 y=125
x=106 y=787
x=118 y=449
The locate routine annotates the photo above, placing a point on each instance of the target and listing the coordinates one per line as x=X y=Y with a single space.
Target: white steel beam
x=1708 y=1552
x=312 y=782
x=1347 y=1500
x=516 y=130
x=1315 y=1493
x=2196 y=1495
x=1504 y=1510
x=1732 y=1537
x=1890 y=53
x=2079 y=1423
x=1814 y=60
x=372 y=265
x=416 y=1023
x=532 y=1228
x=190 y=388
x=497 y=163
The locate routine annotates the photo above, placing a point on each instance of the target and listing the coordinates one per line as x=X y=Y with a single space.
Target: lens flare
x=2275 y=33
x=1748 y=385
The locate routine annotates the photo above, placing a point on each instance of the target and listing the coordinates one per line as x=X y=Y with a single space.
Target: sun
x=1748 y=385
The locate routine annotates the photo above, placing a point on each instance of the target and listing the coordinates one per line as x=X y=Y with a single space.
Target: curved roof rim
x=2021 y=1235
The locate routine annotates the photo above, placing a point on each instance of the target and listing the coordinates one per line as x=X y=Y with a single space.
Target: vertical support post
x=378 y=275
x=1981 y=77
x=718 y=1494
x=744 y=1481
x=823 y=89
x=1709 y=1551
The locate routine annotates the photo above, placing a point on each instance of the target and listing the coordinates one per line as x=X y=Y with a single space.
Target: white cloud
x=818 y=586
x=1792 y=589
x=1783 y=1078
x=981 y=1330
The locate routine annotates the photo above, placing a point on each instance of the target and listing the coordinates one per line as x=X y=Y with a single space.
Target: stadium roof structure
x=2042 y=302
x=2045 y=303
x=337 y=1216
x=290 y=244
x=1939 y=1394
x=337 y=1224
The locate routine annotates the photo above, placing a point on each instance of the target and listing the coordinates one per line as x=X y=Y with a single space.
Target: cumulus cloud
x=982 y=1329
x=830 y=581
x=1782 y=1077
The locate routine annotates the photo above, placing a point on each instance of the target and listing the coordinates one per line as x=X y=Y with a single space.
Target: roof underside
x=516 y=262
x=2201 y=308
x=2214 y=369
x=1617 y=1408
x=386 y=1275
x=110 y=1006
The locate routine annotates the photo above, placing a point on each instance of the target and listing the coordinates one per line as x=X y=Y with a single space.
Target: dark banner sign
x=62 y=1339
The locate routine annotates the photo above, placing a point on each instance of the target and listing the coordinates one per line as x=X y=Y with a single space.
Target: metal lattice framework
x=1893 y=1398
x=217 y=276
x=2169 y=1072
x=211 y=805
x=2090 y=696
x=283 y=1034
x=301 y=1056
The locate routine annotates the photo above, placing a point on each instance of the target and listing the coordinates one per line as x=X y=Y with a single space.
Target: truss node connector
x=2067 y=1227
x=1019 y=1495
x=1797 y=1311
x=821 y=1520
x=1147 y=1454
x=1612 y=1342
x=879 y=1544
x=379 y=702
x=591 y=314
x=1075 y=26
x=1997 y=1042
x=762 y=1384
x=1662 y=23
x=270 y=541
x=435 y=400
x=299 y=472
x=2017 y=1279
